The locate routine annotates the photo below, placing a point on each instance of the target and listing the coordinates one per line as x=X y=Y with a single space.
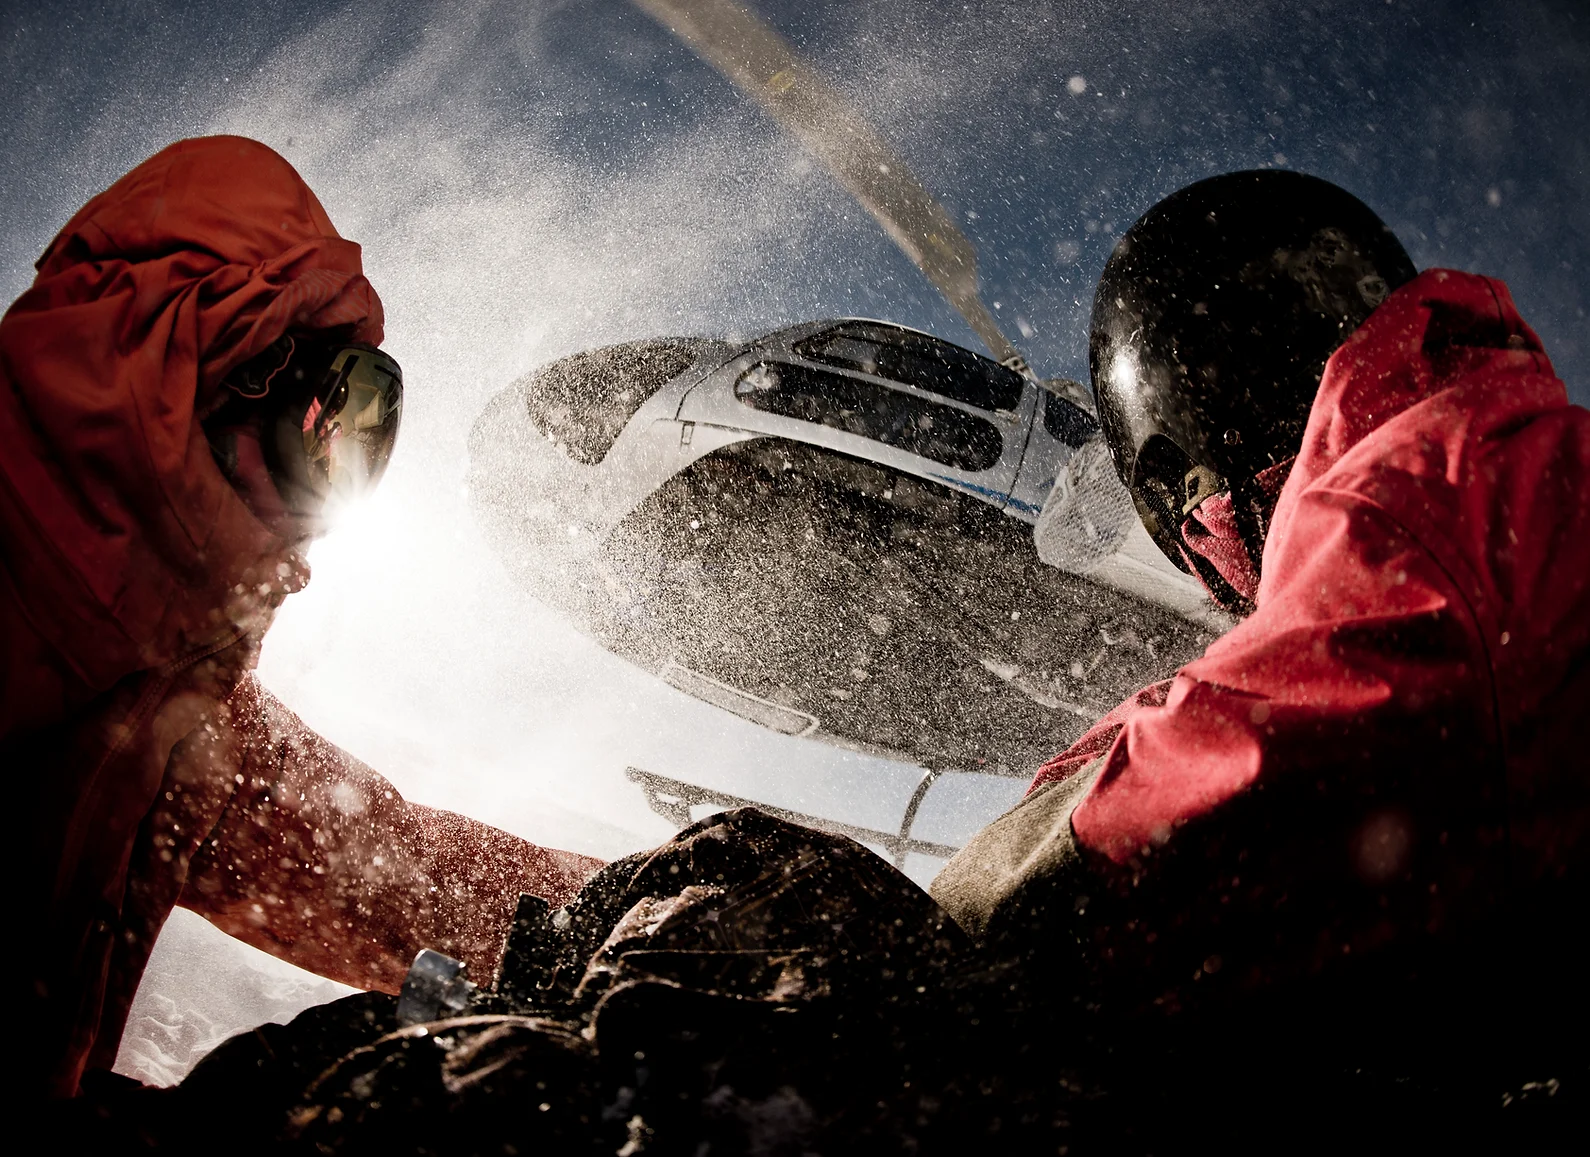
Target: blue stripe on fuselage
x=989 y=492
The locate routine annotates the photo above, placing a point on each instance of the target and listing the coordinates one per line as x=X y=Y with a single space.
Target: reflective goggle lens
x=351 y=425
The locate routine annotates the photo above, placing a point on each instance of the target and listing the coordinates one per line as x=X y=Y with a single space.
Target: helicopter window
x=1067 y=422
x=870 y=410
x=917 y=360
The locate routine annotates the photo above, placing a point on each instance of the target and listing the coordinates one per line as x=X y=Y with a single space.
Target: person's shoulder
x=1442 y=372
x=1441 y=425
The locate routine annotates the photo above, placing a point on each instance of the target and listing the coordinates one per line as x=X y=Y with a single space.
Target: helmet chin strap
x=1227 y=596
x=1198 y=484
x=1252 y=513
x=1239 y=521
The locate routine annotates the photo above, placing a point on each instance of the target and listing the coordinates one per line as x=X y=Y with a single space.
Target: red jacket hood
x=122 y=543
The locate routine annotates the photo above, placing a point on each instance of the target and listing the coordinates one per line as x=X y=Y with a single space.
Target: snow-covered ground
x=202 y=987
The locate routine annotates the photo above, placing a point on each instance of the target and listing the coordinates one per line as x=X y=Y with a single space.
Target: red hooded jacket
x=135 y=587
x=1416 y=673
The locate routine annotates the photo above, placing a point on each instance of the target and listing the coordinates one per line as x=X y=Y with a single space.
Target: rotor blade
x=763 y=65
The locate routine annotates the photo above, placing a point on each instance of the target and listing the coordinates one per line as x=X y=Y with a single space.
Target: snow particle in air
x=1493 y=197
x=348 y=799
x=1381 y=846
x=1077 y=85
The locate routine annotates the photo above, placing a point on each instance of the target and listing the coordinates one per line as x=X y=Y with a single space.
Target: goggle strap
x=265 y=387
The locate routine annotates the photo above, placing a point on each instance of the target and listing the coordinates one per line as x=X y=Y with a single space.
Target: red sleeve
x=320 y=861
x=1099 y=738
x=1363 y=663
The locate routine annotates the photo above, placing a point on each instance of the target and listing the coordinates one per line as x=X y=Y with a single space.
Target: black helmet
x=1211 y=327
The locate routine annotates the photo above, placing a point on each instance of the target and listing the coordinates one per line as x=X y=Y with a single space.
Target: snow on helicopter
x=845 y=530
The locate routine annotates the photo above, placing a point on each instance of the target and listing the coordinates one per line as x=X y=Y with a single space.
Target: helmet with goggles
x=1212 y=324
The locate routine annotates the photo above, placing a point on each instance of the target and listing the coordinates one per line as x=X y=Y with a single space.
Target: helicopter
x=845 y=530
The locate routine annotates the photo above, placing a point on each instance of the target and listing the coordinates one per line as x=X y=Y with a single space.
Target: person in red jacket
x=192 y=376
x=1377 y=778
